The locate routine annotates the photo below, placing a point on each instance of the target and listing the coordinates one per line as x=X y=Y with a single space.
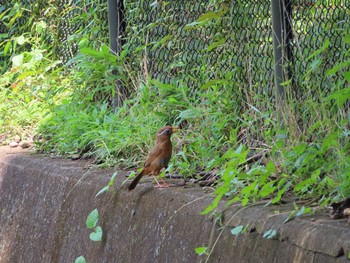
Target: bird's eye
x=167 y=131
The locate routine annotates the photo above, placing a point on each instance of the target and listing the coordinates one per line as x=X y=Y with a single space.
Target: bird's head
x=166 y=131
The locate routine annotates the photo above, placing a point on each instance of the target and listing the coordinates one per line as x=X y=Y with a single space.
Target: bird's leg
x=163 y=185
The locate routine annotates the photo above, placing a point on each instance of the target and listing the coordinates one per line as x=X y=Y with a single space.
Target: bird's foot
x=162 y=185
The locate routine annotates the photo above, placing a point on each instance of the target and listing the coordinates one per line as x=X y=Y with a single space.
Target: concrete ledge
x=44 y=203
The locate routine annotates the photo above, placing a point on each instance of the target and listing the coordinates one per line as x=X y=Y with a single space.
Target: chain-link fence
x=314 y=26
x=237 y=44
x=226 y=46
x=66 y=22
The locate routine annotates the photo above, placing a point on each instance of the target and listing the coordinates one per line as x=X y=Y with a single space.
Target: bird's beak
x=175 y=128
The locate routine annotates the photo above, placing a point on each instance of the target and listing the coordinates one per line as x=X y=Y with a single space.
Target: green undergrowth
x=28 y=73
x=244 y=144
x=228 y=128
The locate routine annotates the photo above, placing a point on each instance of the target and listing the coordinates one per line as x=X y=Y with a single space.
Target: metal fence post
x=113 y=24
x=278 y=43
x=116 y=28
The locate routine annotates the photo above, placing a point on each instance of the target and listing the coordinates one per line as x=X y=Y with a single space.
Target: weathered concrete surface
x=44 y=203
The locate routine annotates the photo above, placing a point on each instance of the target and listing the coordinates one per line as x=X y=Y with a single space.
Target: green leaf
x=256 y=170
x=103 y=133
x=92 y=219
x=201 y=250
x=104 y=189
x=314 y=64
x=26 y=74
x=91 y=52
x=211 y=15
x=2 y=7
x=80 y=259
x=340 y=96
x=194 y=24
x=215 y=202
x=250 y=189
x=330 y=141
x=237 y=156
x=299 y=149
x=189 y=114
x=216 y=44
x=237 y=230
x=105 y=49
x=211 y=83
x=271 y=167
x=281 y=192
x=123 y=54
x=302 y=186
x=162 y=85
x=97 y=235
x=17 y=60
x=270 y=234
x=161 y=42
x=347 y=38
x=347 y=75
x=154 y=4
x=111 y=183
x=21 y=40
x=320 y=50
x=315 y=176
x=301 y=211
x=40 y=26
x=37 y=55
x=132 y=174
x=281 y=135
x=337 y=67
x=267 y=189
x=290 y=217
x=7 y=47
x=239 y=149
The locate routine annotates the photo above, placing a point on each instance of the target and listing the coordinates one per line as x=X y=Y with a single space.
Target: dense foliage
x=228 y=127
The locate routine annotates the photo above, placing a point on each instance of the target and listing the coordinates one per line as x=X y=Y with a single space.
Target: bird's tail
x=135 y=181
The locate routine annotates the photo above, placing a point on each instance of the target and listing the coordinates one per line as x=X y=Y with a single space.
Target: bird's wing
x=153 y=154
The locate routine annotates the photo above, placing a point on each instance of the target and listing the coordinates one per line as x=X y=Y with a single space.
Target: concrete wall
x=44 y=203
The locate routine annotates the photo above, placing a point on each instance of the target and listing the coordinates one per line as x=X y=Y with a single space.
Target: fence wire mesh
x=237 y=45
x=227 y=47
x=64 y=19
x=315 y=25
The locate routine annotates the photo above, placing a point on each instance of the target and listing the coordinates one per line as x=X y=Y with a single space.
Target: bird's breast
x=163 y=162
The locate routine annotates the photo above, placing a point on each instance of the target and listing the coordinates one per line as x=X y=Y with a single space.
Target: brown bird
x=158 y=157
